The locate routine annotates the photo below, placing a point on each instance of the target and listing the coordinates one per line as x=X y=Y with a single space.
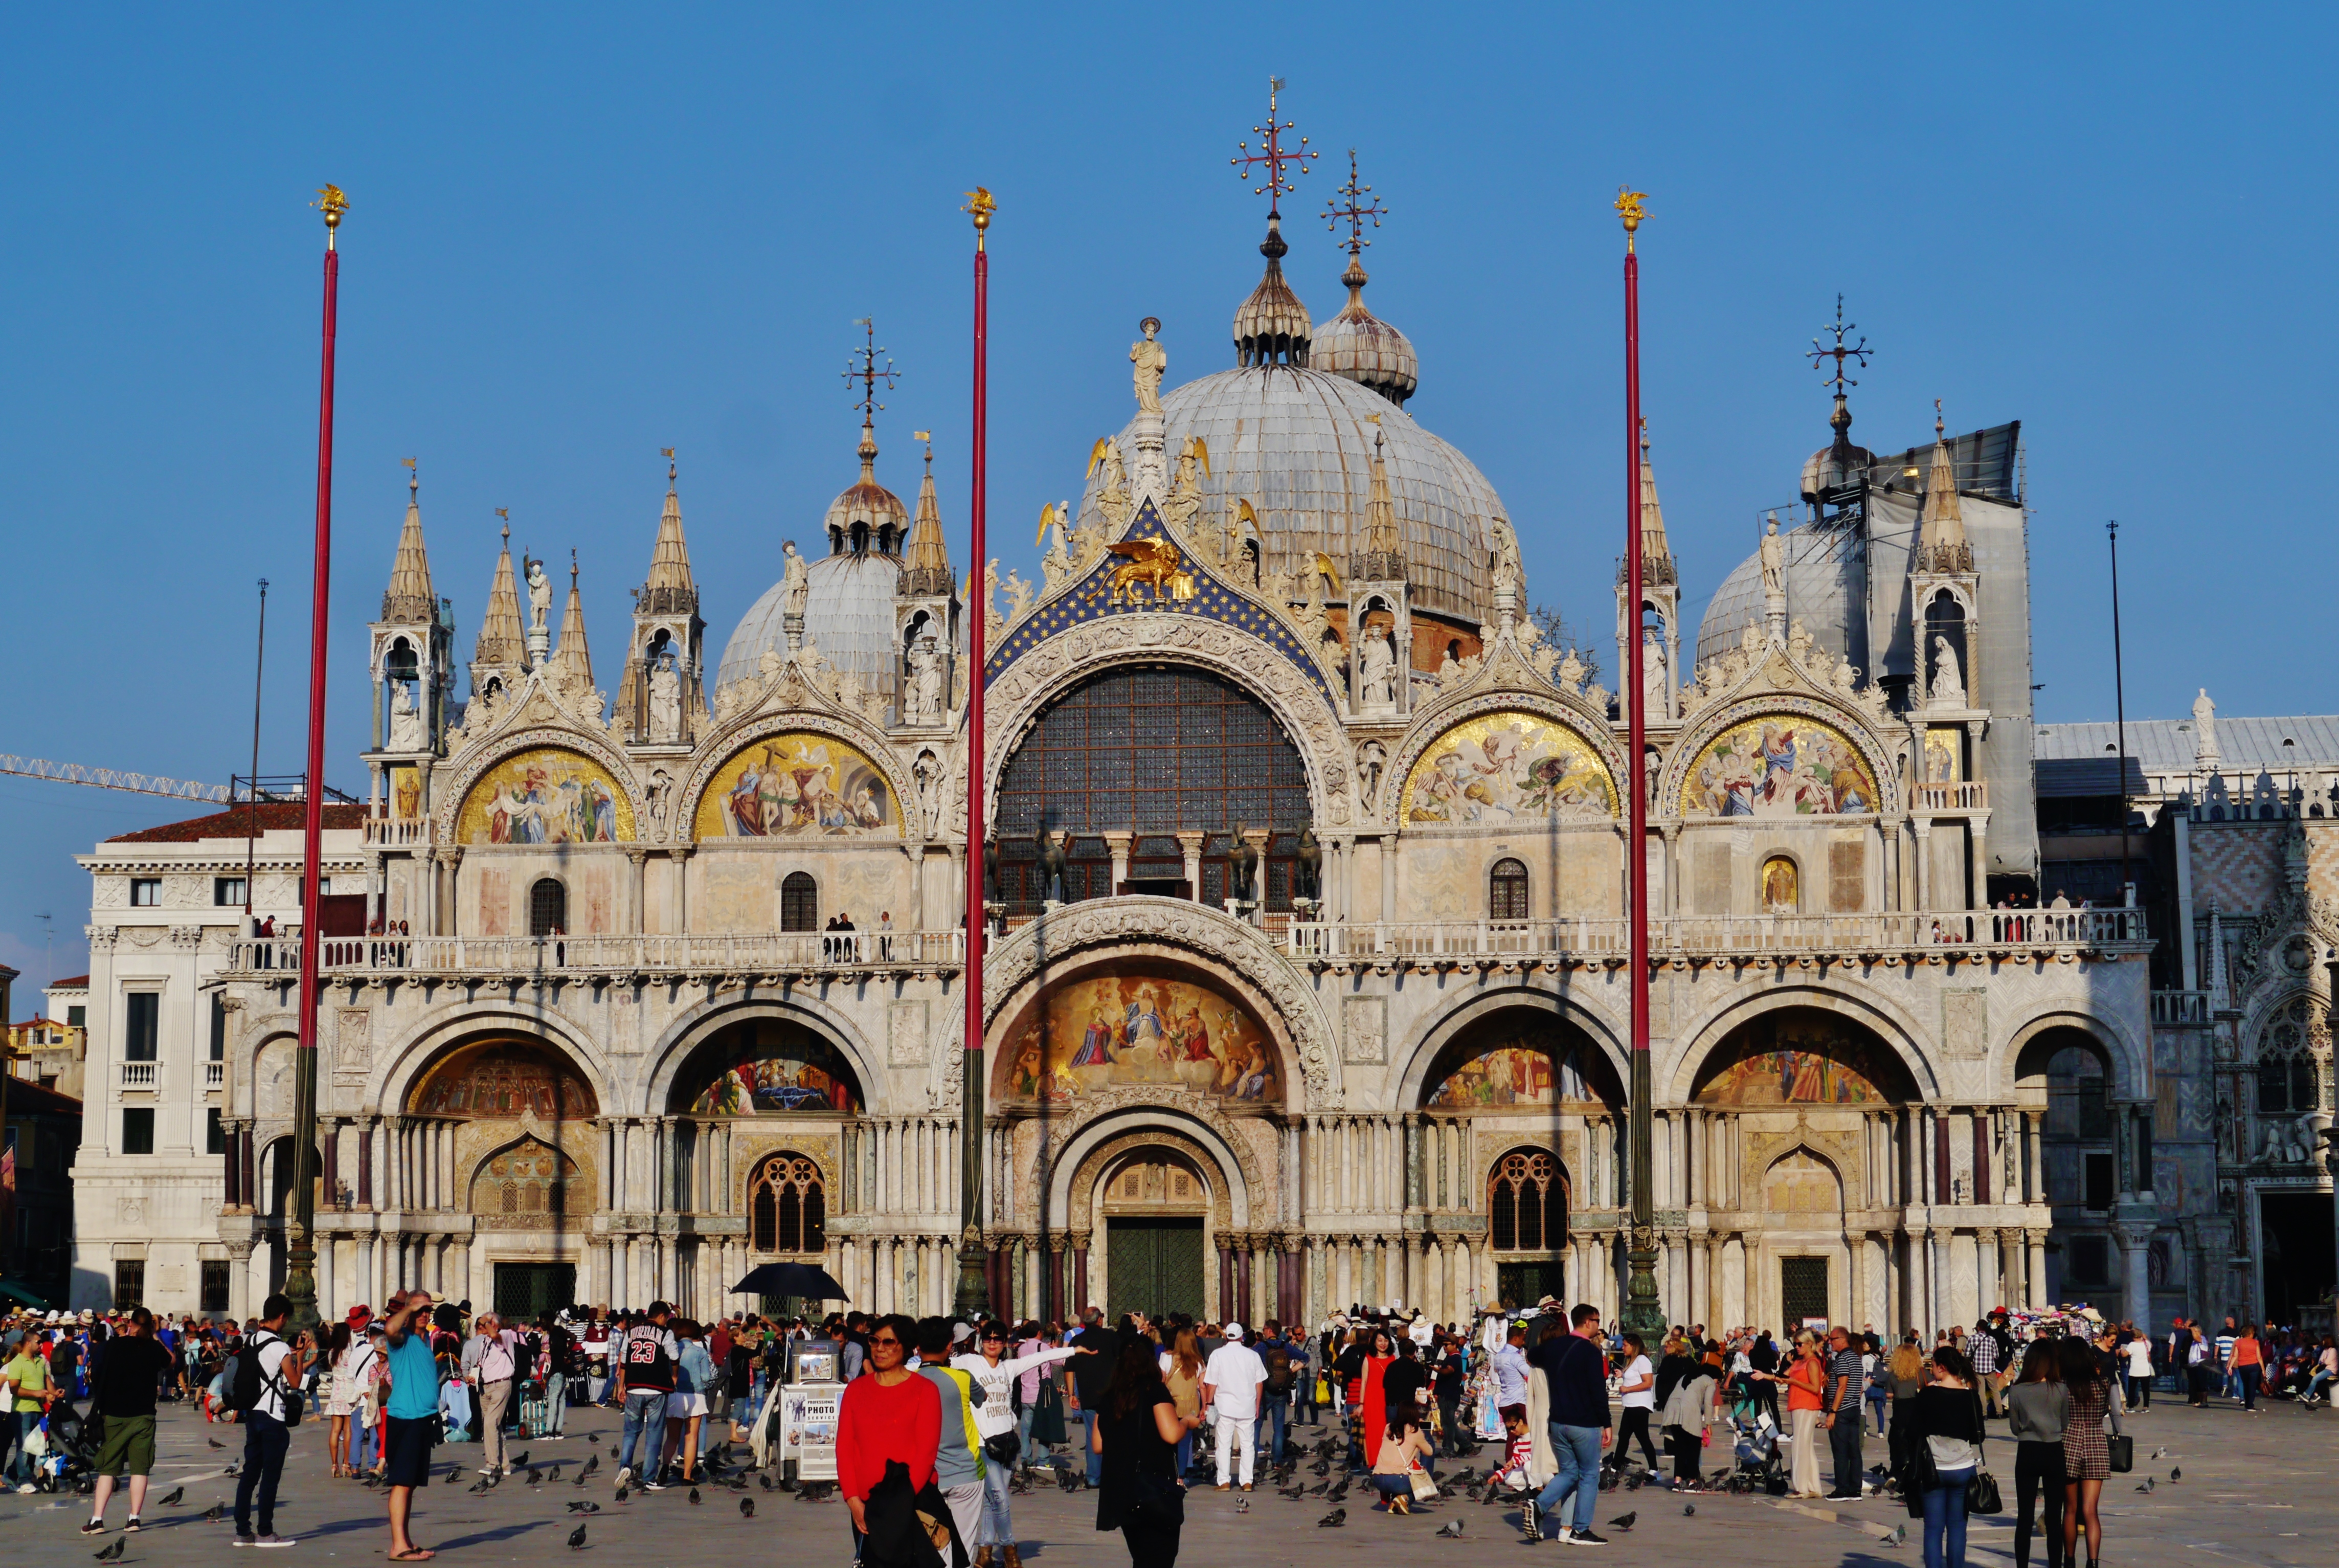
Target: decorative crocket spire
x=503 y=640
x=1383 y=557
x=409 y=599
x=1272 y=326
x=1656 y=559
x=574 y=660
x=927 y=568
x=1941 y=544
x=669 y=589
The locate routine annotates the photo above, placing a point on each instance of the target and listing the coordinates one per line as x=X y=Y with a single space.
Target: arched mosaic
x=546 y=796
x=1508 y=766
x=504 y=1079
x=1521 y=1070
x=1779 y=766
x=798 y=785
x=769 y=1066
x=1139 y=1026
x=1800 y=1056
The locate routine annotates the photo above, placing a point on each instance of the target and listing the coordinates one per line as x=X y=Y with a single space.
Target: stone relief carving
x=1364 y=1030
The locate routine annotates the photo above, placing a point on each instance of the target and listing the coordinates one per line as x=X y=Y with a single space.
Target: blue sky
x=581 y=233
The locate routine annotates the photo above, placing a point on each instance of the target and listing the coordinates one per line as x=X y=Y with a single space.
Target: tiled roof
x=27 y=1098
x=236 y=822
x=68 y=982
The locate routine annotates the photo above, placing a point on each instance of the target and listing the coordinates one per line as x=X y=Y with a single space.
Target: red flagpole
x=973 y=1277
x=300 y=1271
x=1641 y=1311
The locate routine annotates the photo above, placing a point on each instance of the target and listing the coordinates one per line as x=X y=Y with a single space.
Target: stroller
x=1756 y=1451
x=70 y=1463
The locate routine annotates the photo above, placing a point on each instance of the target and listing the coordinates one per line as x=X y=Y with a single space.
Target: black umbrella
x=804 y=1279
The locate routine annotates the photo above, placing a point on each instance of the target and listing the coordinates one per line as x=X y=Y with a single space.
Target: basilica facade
x=1305 y=852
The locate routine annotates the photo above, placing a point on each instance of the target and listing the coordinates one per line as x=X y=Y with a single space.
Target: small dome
x=848 y=615
x=1838 y=464
x=1272 y=327
x=1823 y=591
x=867 y=515
x=1360 y=346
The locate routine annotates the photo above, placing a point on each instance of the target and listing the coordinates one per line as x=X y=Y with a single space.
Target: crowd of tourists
x=942 y=1424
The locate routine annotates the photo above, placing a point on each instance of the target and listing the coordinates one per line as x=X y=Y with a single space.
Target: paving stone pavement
x=2256 y=1489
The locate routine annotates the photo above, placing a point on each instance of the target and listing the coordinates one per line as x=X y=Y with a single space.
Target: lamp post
x=1641 y=1311
x=973 y=1293
x=301 y=1252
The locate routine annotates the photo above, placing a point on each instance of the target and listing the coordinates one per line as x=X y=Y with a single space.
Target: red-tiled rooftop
x=26 y=1098
x=236 y=822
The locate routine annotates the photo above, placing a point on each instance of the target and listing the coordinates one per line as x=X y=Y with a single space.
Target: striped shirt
x=1846 y=1364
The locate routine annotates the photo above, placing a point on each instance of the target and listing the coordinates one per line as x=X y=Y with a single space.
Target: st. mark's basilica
x=1304 y=848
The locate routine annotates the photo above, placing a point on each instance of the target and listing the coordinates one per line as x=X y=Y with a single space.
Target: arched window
x=1526 y=1203
x=548 y=908
x=787 y=1209
x=799 y=903
x=1506 y=891
x=2286 y=1065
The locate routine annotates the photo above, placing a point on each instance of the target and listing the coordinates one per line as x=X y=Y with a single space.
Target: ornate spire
x=1839 y=463
x=408 y=599
x=503 y=639
x=1941 y=544
x=1383 y=557
x=1657 y=568
x=669 y=589
x=574 y=660
x=927 y=569
x=1355 y=344
x=1272 y=327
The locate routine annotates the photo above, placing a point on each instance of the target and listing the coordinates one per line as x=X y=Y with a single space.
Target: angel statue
x=1185 y=498
x=1019 y=596
x=1056 y=565
x=1112 y=486
x=1151 y=359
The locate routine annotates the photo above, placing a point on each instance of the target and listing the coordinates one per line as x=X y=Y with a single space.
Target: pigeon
x=1451 y=1531
x=1899 y=1533
x=767 y=1482
x=1317 y=1490
x=1243 y=1504
x=584 y=1508
x=2178 y=1474
x=479 y=1486
x=113 y=1553
x=1067 y=1481
x=534 y=1479
x=576 y=1539
x=2148 y=1484
x=214 y=1442
x=212 y=1514
x=1334 y=1520
x=2160 y=1453
x=520 y=1462
x=171 y=1497
x=694 y=1497
x=592 y=1463
x=613 y=1453
x=1634 y=1482
x=1688 y=1509
x=1625 y=1520
x=1339 y=1491
x=746 y=1507
x=1294 y=1493
x=234 y=1467
x=623 y=1493
x=555 y=1472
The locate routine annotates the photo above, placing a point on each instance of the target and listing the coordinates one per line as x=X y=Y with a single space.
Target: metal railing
x=140 y=1074
x=696 y=954
x=1748 y=935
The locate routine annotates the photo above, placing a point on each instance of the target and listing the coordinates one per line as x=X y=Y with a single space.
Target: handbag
x=1155 y=1499
x=2123 y=1453
x=1424 y=1490
x=1981 y=1494
x=1003 y=1449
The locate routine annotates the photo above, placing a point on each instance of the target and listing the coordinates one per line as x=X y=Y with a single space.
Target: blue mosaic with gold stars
x=1091 y=598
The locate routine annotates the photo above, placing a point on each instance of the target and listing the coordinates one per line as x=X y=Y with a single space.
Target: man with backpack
x=1280 y=1376
x=261 y=1396
x=642 y=1360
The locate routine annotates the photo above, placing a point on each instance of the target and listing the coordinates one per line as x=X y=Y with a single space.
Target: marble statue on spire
x=1149 y=360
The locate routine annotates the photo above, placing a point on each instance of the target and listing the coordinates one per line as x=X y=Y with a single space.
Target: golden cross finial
x=1356 y=211
x=504 y=513
x=1628 y=207
x=866 y=372
x=1272 y=153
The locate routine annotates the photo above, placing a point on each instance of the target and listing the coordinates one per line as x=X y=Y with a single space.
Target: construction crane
x=237 y=787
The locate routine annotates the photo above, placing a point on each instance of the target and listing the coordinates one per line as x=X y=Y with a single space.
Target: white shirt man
x=1231 y=1379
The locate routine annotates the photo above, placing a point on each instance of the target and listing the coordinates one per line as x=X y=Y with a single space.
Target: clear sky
x=581 y=232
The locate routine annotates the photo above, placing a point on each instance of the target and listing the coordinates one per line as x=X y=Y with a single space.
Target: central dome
x=1297 y=443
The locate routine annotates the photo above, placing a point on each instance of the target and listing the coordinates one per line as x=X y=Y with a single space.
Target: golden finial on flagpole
x=332 y=204
x=980 y=205
x=1628 y=207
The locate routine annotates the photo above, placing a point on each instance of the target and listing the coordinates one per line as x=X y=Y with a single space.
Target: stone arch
x=1530 y=1201
x=683 y=1038
x=1836 y=1061
x=1788 y=1176
x=867 y=742
x=455 y=1022
x=787 y=1201
x=1847 y=721
x=473 y=764
x=1435 y=723
x=1892 y=1026
x=1089 y=1145
x=1133 y=929
x=526 y=1183
x=2015 y=1063
x=1018 y=696
x=1456 y=1025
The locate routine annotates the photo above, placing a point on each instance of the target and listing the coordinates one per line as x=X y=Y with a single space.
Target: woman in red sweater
x=889 y=1414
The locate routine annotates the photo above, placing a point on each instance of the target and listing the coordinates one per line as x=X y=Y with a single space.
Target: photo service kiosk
x=806 y=1441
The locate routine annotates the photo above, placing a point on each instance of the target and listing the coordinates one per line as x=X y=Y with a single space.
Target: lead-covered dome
x=1368 y=350
x=1825 y=591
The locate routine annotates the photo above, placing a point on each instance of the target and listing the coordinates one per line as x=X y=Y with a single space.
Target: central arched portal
x=1154 y=1205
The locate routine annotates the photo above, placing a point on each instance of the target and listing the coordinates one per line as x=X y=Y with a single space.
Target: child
x=1513 y=1471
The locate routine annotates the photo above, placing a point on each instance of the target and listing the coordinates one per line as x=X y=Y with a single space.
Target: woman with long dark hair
x=1181 y=1369
x=1405 y=1448
x=1137 y=1435
x=2037 y=1407
x=1380 y=1352
x=2086 y=1453
x=1945 y=1427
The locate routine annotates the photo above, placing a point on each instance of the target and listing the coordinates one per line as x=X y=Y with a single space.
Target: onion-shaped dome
x=849 y=610
x=1839 y=463
x=1272 y=327
x=1360 y=346
x=1297 y=445
x=1825 y=591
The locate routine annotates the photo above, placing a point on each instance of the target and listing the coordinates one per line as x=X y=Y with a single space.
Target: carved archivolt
x=1016 y=697
x=1241 y=953
x=1098 y=1160
x=1434 y=723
